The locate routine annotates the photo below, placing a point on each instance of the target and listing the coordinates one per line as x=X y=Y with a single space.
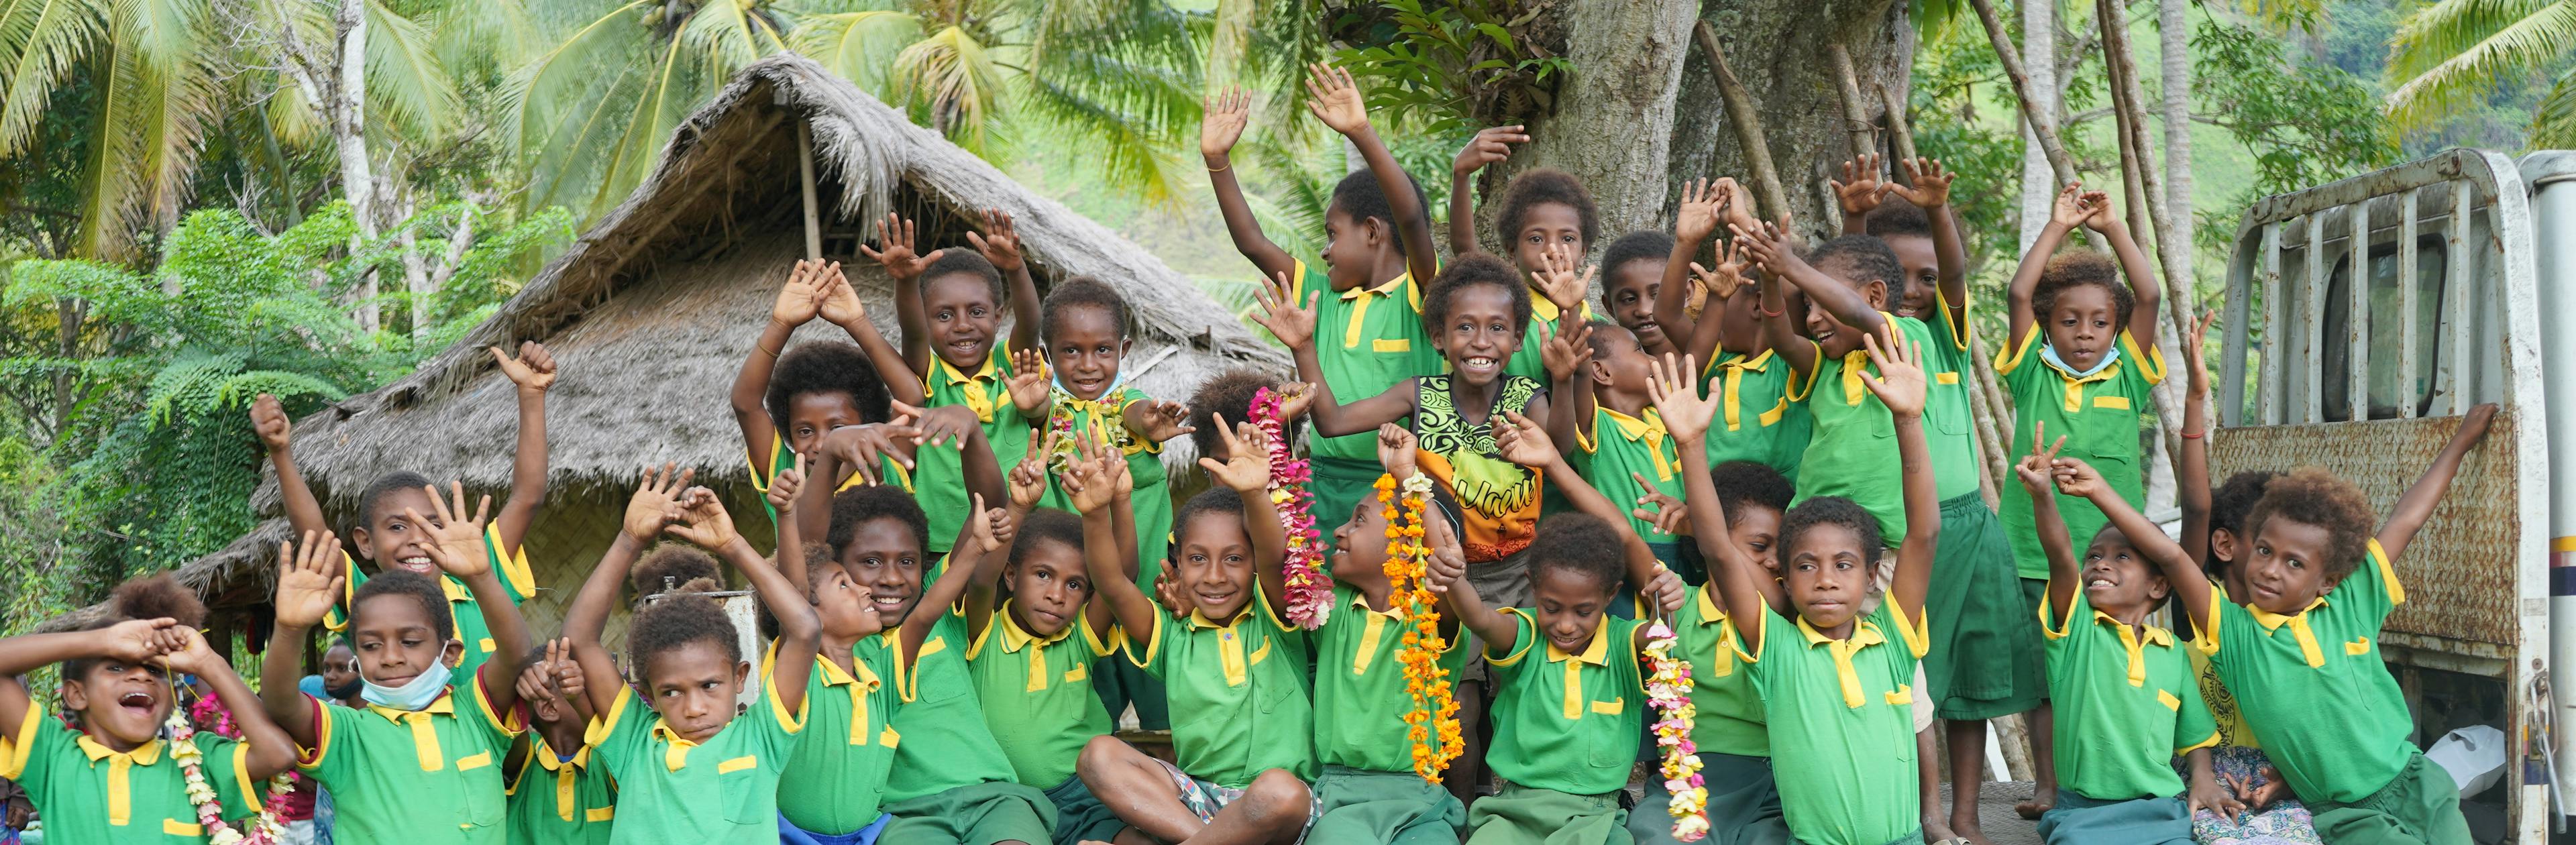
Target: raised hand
x=840 y=303
x=1167 y=592
x=1565 y=355
x=568 y=678
x=946 y=425
x=1396 y=450
x=1221 y=120
x=898 y=255
x=999 y=243
x=2068 y=209
x=1247 y=464
x=1697 y=218
x=1669 y=515
x=1294 y=398
x=1770 y=245
x=1028 y=480
x=1523 y=441
x=1335 y=99
x=703 y=521
x=1028 y=382
x=2038 y=469
x=308 y=579
x=1858 y=190
x=864 y=448
x=1734 y=203
x=1448 y=561
x=2077 y=478
x=137 y=641
x=1292 y=324
x=534 y=369
x=268 y=420
x=2097 y=212
x=1900 y=383
x=783 y=488
x=1728 y=278
x=993 y=528
x=656 y=502
x=799 y=298
x=184 y=649
x=455 y=541
x=1160 y=419
x=2194 y=344
x=1558 y=279
x=1087 y=482
x=1490 y=145
x=1675 y=392
x=1931 y=183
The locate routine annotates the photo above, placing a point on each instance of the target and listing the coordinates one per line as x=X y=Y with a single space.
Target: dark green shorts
x=2421 y=806
x=1743 y=804
x=2078 y=820
x=1383 y=808
x=1986 y=658
x=1526 y=815
x=1079 y=815
x=981 y=814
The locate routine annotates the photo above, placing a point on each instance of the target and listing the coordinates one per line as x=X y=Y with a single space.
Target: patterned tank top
x=1500 y=498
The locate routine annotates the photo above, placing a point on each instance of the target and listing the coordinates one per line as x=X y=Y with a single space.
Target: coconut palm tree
x=588 y=113
x=2453 y=52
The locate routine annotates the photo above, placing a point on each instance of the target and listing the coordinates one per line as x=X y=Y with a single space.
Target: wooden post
x=805 y=177
x=1747 y=123
x=2042 y=126
x=1864 y=138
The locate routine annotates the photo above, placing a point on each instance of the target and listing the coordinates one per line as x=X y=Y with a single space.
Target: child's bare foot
x=1936 y=830
x=1967 y=829
x=2038 y=805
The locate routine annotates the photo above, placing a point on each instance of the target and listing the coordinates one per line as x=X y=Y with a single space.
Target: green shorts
x=981 y=814
x=1383 y=808
x=1079 y=815
x=1525 y=815
x=2079 y=820
x=1986 y=658
x=2421 y=805
x=1743 y=804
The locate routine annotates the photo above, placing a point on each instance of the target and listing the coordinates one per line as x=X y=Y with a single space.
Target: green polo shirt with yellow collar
x=90 y=793
x=1151 y=500
x=1360 y=693
x=1366 y=339
x=423 y=776
x=2098 y=415
x=1730 y=717
x=1546 y=321
x=782 y=459
x=941 y=473
x=558 y=801
x=723 y=790
x=1949 y=427
x=1237 y=691
x=2314 y=685
x=1756 y=420
x=2127 y=704
x=1038 y=695
x=517 y=581
x=836 y=772
x=1841 y=718
x=1622 y=449
x=1567 y=722
x=1852 y=452
x=947 y=744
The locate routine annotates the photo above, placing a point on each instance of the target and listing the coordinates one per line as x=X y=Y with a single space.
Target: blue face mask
x=2049 y=353
x=412 y=695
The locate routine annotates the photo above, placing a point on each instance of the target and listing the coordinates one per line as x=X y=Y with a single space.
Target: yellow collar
x=444 y=705
x=1856 y=368
x=2298 y=623
x=1387 y=289
x=1200 y=620
x=455 y=591
x=1396 y=610
x=1596 y=654
x=547 y=758
x=677 y=755
x=1709 y=612
x=143 y=755
x=1015 y=637
x=1752 y=363
x=2272 y=621
x=1863 y=636
x=833 y=676
x=2135 y=645
x=1649 y=431
x=957 y=376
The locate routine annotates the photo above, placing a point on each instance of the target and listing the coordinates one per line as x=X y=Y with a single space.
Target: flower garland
x=264 y=829
x=1668 y=688
x=1310 y=591
x=1063 y=407
x=1408 y=567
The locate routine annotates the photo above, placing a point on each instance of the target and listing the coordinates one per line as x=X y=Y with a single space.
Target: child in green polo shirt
x=1760 y=422
x=1836 y=694
x=116 y=688
x=2299 y=652
x=686 y=769
x=949 y=305
x=785 y=400
x=2126 y=700
x=422 y=762
x=1632 y=280
x=381 y=535
x=557 y=795
x=1376 y=255
x=1623 y=447
x=1234 y=670
x=1546 y=226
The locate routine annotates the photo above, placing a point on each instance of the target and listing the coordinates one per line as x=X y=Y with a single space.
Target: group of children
x=980 y=565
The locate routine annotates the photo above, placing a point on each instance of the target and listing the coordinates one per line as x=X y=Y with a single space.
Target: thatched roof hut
x=652 y=310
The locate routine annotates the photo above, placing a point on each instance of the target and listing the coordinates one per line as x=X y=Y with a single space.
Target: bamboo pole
x=2042 y=126
x=1747 y=123
x=1864 y=137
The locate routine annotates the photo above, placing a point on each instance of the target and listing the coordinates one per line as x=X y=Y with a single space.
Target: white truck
x=2362 y=318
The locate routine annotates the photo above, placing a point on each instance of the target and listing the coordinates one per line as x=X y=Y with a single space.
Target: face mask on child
x=2049 y=353
x=413 y=694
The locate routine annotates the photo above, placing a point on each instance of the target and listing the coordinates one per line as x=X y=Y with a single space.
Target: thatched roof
x=651 y=311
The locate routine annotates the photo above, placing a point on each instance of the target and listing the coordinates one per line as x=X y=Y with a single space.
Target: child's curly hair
x=1897 y=218
x=1228 y=393
x=412 y=585
x=1545 y=185
x=1830 y=510
x=1605 y=333
x=384 y=486
x=1359 y=196
x=2229 y=504
x=680 y=619
x=1859 y=260
x=2314 y=496
x=965 y=262
x=157 y=597
x=828 y=367
x=1468 y=271
x=1751 y=484
x=669 y=565
x=1578 y=543
x=1082 y=292
x=1219 y=499
x=1046 y=525
x=859 y=506
x=2074 y=268
x=1640 y=245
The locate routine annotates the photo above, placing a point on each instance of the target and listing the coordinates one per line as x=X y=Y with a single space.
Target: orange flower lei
x=1408 y=567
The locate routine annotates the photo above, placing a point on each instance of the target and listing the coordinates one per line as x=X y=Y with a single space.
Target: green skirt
x=2421 y=805
x=1524 y=815
x=981 y=814
x=1383 y=808
x=2079 y=820
x=1079 y=815
x=1743 y=805
x=1986 y=659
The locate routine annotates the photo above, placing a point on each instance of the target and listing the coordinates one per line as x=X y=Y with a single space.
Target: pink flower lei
x=1668 y=689
x=263 y=828
x=1310 y=591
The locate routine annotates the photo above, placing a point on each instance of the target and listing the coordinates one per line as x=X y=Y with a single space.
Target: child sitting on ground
x=116 y=689
x=557 y=795
x=422 y=762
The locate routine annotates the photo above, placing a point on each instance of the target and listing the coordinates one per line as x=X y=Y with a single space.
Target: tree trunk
x=2173 y=40
x=2040 y=175
x=1613 y=120
x=1777 y=49
x=2172 y=255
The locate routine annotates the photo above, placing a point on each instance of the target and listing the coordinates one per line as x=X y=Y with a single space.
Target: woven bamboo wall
x=2459 y=572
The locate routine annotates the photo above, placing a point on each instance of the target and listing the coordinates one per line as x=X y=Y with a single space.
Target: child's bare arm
x=1733 y=277
x=1782 y=333
x=798 y=301
x=1901 y=386
x=783 y=493
x=654 y=505
x=1489 y=146
x=1694 y=222
x=904 y=265
x=800 y=634
x=2191 y=587
x=1226 y=114
x=842 y=307
x=1085 y=482
x=533 y=372
x=1930 y=190
x=135 y=641
x=2149 y=294
x=1000 y=244
x=1567 y=406
x=457 y=545
x=271 y=750
x=1336 y=100
x=1246 y=471
x=1294 y=325
x=1522 y=442
x=1741 y=584
x=2069 y=211
x=2036 y=471
x=1028 y=483
x=303 y=511
x=1334 y=419
x=309 y=578
x=2191 y=467
x=1449 y=579
x=987 y=531
x=2414 y=508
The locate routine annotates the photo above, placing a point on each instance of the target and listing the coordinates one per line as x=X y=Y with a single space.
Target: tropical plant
x=2449 y=55
x=1450 y=66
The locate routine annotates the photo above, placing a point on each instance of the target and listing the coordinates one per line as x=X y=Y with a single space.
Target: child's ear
x=75 y=696
x=358 y=537
x=2158 y=588
x=1600 y=372
x=741 y=672
x=1876 y=293
x=453 y=654
x=1125 y=345
x=2222 y=545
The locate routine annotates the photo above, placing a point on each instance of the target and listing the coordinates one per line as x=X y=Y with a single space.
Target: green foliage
x=2305 y=123
x=1449 y=66
x=2452 y=55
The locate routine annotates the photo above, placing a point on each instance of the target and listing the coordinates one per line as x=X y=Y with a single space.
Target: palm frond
x=405 y=80
x=856 y=44
x=951 y=77
x=484 y=35
x=2553 y=123
x=725 y=35
x=2518 y=49
x=1129 y=151
x=40 y=42
x=2435 y=32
